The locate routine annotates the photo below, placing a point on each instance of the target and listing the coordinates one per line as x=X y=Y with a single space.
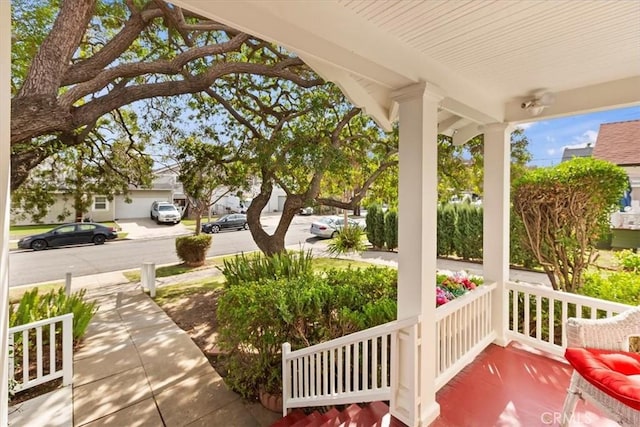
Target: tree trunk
x=271 y=244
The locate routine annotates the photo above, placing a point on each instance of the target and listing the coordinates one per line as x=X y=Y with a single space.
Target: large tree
x=75 y=63
x=110 y=162
x=293 y=138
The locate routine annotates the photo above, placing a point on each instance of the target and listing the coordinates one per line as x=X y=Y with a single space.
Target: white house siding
x=60 y=205
x=140 y=205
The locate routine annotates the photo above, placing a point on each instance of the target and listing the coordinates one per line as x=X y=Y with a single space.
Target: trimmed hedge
x=375 y=226
x=460 y=228
x=192 y=250
x=391 y=229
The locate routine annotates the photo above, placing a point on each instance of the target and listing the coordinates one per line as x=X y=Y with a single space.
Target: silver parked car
x=165 y=212
x=330 y=226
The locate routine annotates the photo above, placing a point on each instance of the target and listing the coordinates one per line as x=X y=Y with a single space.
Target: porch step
x=375 y=414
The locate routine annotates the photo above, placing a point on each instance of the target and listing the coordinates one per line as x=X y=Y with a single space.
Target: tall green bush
x=391 y=229
x=192 y=250
x=256 y=318
x=375 y=226
x=564 y=210
x=447 y=230
x=467 y=237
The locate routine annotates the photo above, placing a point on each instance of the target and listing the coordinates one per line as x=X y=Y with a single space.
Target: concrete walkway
x=136 y=367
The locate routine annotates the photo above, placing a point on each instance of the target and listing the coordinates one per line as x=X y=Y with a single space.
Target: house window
x=100 y=203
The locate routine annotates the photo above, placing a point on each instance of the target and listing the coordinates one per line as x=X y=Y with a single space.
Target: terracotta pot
x=272 y=402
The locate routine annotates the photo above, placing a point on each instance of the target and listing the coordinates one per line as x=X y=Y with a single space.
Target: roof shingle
x=619 y=143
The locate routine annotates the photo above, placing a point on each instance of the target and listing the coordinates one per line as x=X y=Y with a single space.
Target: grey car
x=232 y=221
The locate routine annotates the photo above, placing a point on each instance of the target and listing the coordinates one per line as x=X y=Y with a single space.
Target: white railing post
x=67 y=349
x=11 y=356
x=148 y=277
x=67 y=283
x=286 y=349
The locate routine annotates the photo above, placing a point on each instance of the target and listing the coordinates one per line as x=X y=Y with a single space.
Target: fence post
x=67 y=283
x=286 y=349
x=67 y=349
x=148 y=277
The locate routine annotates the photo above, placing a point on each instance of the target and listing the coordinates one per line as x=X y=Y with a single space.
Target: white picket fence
x=349 y=369
x=538 y=314
x=29 y=339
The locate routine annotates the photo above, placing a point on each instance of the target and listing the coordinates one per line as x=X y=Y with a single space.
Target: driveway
x=145 y=228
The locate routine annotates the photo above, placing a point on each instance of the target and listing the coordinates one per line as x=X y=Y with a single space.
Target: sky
x=548 y=138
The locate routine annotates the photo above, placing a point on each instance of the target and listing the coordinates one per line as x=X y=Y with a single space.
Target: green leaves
x=564 y=210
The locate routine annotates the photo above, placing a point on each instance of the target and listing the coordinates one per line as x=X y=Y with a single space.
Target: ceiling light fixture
x=540 y=101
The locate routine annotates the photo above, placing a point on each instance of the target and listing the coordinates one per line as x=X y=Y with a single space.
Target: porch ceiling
x=487 y=57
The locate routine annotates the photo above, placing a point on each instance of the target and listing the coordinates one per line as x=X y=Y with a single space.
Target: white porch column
x=496 y=204
x=415 y=402
x=5 y=168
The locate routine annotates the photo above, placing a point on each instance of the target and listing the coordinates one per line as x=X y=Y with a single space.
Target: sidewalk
x=136 y=367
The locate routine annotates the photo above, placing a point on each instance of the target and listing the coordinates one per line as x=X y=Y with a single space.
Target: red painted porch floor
x=514 y=386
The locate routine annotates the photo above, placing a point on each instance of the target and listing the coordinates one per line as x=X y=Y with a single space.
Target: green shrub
x=254 y=268
x=391 y=229
x=375 y=226
x=622 y=287
x=33 y=307
x=565 y=209
x=628 y=260
x=447 y=219
x=257 y=318
x=192 y=250
x=350 y=239
x=519 y=253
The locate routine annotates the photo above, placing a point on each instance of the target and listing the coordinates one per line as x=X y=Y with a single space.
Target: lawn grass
x=16 y=293
x=177 y=269
x=167 y=294
x=323 y=264
x=607 y=260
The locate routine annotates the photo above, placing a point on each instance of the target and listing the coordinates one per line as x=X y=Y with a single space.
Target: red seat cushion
x=617 y=373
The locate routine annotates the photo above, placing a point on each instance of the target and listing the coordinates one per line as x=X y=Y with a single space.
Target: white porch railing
x=349 y=369
x=28 y=346
x=463 y=330
x=537 y=314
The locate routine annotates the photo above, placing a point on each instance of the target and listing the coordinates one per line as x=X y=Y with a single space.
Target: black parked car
x=233 y=221
x=69 y=234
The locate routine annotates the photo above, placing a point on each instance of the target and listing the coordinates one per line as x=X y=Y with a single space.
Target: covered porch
x=453 y=68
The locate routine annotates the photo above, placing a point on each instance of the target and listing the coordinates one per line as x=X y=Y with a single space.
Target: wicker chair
x=607 y=339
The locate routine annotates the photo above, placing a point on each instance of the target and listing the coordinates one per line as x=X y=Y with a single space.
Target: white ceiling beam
x=605 y=96
x=462 y=135
x=449 y=123
x=353 y=90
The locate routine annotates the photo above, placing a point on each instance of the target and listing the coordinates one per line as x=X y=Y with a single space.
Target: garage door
x=140 y=204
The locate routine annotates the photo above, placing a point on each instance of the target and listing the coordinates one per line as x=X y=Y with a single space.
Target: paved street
x=51 y=265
